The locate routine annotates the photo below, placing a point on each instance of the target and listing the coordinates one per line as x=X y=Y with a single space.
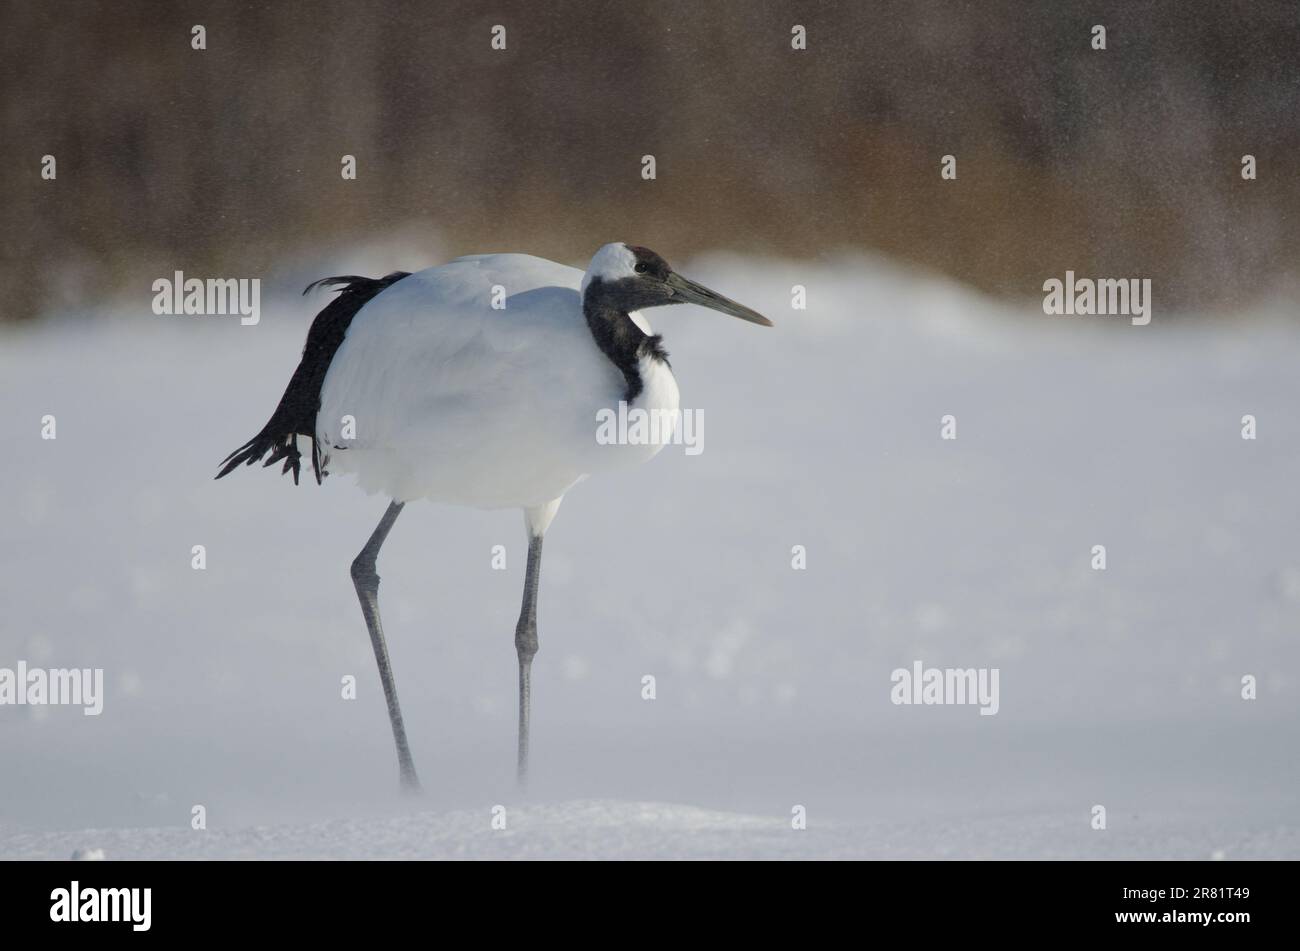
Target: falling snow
x=1118 y=687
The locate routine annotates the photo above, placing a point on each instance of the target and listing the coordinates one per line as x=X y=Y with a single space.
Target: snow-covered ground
x=1119 y=688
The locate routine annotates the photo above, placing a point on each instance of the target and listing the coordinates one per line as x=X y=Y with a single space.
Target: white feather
x=459 y=402
x=610 y=263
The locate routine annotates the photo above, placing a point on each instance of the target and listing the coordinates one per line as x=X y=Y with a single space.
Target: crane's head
x=631 y=278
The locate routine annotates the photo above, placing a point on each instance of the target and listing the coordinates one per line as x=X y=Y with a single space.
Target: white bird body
x=486 y=382
x=480 y=405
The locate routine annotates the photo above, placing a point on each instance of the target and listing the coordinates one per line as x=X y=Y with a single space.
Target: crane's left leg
x=366 y=580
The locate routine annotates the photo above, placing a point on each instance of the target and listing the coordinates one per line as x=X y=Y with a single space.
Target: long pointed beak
x=688 y=292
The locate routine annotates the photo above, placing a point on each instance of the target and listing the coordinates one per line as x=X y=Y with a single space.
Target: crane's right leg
x=536 y=519
x=366 y=580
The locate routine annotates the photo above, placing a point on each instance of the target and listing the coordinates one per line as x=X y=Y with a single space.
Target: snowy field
x=1118 y=688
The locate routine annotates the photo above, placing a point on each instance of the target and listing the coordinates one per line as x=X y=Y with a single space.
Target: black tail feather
x=281 y=447
x=296 y=414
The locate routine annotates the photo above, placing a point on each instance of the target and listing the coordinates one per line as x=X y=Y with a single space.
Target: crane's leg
x=526 y=647
x=366 y=580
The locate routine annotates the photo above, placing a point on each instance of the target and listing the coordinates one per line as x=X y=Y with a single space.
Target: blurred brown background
x=1123 y=163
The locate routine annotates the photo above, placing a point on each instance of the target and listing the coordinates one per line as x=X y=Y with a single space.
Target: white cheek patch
x=611 y=263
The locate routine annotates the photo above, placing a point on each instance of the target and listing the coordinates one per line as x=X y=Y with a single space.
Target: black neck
x=617 y=336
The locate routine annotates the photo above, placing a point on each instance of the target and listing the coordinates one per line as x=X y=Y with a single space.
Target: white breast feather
x=462 y=403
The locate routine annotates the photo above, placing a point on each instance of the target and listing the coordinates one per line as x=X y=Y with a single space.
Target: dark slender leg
x=366 y=580
x=526 y=647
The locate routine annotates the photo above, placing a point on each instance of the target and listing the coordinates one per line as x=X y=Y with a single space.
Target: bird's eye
x=641 y=267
